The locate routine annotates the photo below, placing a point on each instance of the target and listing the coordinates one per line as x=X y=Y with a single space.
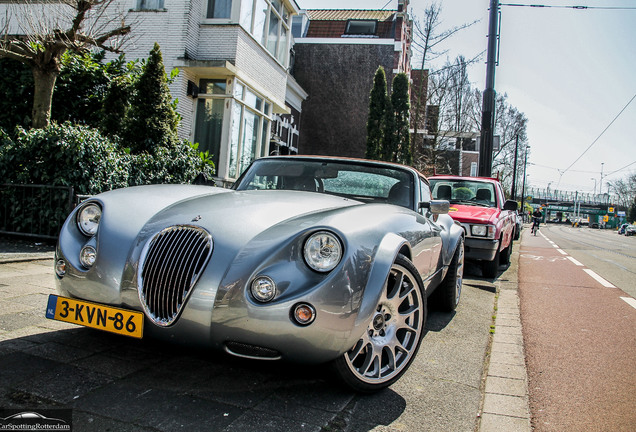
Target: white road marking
x=630 y=301
x=599 y=279
x=562 y=252
x=575 y=261
x=541 y=258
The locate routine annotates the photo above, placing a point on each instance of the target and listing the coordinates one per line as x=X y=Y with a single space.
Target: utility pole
x=523 y=185
x=488 y=106
x=514 y=171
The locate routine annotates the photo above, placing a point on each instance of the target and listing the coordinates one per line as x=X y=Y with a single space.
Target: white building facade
x=233 y=59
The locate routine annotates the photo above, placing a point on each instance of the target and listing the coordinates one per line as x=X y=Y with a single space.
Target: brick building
x=337 y=53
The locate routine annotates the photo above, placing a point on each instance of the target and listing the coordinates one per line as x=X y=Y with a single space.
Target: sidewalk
x=14 y=249
x=505 y=402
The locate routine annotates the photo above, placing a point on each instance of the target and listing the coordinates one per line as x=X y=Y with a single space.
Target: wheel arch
x=389 y=248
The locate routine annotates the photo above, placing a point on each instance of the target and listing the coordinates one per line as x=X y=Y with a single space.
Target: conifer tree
x=401 y=109
x=378 y=106
x=152 y=120
x=389 y=149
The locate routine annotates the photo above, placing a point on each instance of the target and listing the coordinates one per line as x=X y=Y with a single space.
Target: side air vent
x=251 y=351
x=170 y=266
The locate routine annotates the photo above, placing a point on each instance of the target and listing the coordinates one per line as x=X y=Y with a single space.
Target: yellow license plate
x=94 y=315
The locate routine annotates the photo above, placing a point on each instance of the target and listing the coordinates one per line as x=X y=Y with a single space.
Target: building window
x=473 y=169
x=219 y=9
x=212 y=86
x=268 y=22
x=361 y=27
x=250 y=129
x=209 y=117
x=149 y=4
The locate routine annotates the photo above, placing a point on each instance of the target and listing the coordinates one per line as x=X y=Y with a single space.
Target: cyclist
x=536 y=219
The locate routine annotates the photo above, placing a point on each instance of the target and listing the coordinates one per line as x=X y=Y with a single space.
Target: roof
x=347 y=14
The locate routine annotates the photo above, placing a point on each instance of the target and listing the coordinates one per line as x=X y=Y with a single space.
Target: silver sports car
x=307 y=259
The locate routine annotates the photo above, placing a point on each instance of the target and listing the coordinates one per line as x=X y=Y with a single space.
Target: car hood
x=236 y=217
x=473 y=214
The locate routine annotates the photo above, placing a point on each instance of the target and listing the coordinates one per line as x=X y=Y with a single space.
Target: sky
x=572 y=72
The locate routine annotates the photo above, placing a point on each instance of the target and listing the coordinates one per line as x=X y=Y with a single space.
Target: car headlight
x=323 y=251
x=482 y=231
x=263 y=289
x=88 y=255
x=88 y=219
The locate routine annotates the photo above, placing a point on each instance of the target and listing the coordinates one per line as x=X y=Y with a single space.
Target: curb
x=505 y=405
x=9 y=258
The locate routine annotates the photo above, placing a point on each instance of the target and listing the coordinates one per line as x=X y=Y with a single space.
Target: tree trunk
x=44 y=81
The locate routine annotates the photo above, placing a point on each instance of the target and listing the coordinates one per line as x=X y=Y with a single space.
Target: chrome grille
x=170 y=266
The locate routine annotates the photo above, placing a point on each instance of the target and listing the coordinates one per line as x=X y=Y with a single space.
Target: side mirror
x=436 y=207
x=510 y=205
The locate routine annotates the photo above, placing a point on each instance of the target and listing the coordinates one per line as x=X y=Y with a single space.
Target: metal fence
x=34 y=210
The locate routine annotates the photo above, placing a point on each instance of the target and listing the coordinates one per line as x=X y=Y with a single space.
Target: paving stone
x=507 y=358
x=506 y=386
x=501 y=423
x=507 y=371
x=512 y=406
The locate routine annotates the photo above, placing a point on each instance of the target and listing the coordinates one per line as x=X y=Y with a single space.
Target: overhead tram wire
x=597 y=138
x=620 y=169
x=568 y=7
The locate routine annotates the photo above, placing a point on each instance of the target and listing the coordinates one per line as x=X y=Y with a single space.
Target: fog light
x=304 y=314
x=60 y=268
x=263 y=289
x=88 y=255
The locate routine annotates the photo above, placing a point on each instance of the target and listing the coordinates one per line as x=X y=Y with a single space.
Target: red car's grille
x=170 y=266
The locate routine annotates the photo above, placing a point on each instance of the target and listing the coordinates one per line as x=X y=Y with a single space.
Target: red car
x=488 y=219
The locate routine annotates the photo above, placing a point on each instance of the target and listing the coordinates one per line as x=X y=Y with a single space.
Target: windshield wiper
x=471 y=203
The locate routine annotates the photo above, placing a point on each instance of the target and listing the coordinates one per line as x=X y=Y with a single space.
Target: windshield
x=359 y=181
x=462 y=191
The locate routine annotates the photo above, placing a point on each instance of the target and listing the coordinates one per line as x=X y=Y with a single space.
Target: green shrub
x=79 y=156
x=63 y=155
x=181 y=162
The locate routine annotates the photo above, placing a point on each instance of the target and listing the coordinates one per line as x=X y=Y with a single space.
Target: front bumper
x=481 y=249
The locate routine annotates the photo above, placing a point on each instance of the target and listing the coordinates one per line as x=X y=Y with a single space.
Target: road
x=576 y=289
x=610 y=255
x=117 y=383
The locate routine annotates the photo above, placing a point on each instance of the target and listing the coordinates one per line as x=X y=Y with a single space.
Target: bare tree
x=451 y=93
x=625 y=190
x=510 y=127
x=426 y=43
x=33 y=34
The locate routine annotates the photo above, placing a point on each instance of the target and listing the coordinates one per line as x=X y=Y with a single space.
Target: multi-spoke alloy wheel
x=446 y=296
x=386 y=349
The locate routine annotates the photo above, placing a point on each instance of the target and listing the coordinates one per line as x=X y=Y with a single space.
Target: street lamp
x=592 y=178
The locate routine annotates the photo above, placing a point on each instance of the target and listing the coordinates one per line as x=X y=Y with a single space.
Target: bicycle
x=535 y=226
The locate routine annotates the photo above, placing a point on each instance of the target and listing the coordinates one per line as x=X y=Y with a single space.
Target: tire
x=490 y=268
x=446 y=296
x=505 y=256
x=392 y=338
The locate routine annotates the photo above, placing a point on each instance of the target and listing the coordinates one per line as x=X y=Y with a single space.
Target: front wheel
x=490 y=268
x=447 y=295
x=389 y=344
x=505 y=256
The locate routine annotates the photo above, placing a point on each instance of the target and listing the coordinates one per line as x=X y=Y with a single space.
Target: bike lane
x=580 y=343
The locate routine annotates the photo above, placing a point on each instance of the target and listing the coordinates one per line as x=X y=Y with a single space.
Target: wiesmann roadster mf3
x=306 y=259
